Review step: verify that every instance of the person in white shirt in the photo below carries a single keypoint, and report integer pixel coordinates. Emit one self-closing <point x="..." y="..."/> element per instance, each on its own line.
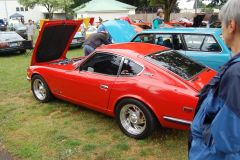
<point x="30" y="30"/>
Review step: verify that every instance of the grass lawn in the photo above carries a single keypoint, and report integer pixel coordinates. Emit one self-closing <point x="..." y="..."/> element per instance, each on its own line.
<point x="60" y="130"/>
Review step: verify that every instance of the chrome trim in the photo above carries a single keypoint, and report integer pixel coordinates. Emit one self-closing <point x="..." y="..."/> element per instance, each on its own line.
<point x="177" y="120"/>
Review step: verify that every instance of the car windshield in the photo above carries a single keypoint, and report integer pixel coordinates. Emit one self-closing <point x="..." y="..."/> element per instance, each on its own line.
<point x="10" y="36"/>
<point x="176" y="63"/>
<point x="1" y="21"/>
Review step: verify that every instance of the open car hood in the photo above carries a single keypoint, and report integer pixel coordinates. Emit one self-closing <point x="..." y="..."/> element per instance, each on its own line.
<point x="53" y="40"/>
<point x="120" y="31"/>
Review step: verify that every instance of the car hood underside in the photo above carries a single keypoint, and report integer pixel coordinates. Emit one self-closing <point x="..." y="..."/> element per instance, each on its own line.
<point x="54" y="40"/>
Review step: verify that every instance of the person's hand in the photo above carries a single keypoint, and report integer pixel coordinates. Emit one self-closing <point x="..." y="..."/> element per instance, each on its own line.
<point x="76" y="64"/>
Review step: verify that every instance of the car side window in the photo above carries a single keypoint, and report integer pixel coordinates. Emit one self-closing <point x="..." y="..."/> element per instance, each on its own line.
<point x="145" y="38"/>
<point x="205" y="43"/>
<point x="210" y="45"/>
<point x="172" y="41"/>
<point x="103" y="63"/>
<point x="194" y="42"/>
<point x="130" y="68"/>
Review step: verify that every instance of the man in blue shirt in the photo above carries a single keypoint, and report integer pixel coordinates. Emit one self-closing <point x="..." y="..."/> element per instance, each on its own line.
<point x="95" y="40"/>
<point x="216" y="126"/>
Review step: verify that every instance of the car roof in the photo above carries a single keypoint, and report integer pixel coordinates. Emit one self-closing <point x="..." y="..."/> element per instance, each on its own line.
<point x="185" y="30"/>
<point x="132" y="49"/>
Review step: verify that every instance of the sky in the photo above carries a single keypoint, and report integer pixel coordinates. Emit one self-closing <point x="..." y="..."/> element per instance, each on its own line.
<point x="183" y="4"/>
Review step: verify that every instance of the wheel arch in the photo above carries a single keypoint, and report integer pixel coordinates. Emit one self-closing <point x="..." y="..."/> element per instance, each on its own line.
<point x="34" y="74"/>
<point x="38" y="74"/>
<point x="138" y="99"/>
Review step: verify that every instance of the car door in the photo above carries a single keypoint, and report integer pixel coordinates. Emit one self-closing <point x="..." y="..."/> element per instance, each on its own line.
<point x="91" y="85"/>
<point x="205" y="49"/>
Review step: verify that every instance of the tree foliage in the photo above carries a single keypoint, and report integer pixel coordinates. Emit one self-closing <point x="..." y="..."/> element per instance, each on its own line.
<point x="167" y="5"/>
<point x="77" y="3"/>
<point x="50" y="5"/>
<point x="200" y="4"/>
<point x="215" y="3"/>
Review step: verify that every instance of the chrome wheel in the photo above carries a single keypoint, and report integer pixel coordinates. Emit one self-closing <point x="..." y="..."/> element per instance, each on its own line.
<point x="132" y="119"/>
<point x="39" y="89"/>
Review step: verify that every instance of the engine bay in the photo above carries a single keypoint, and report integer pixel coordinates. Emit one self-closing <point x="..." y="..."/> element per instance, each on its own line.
<point x="67" y="61"/>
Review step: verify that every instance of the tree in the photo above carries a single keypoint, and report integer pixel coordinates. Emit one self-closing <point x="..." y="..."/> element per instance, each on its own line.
<point x="200" y="4"/>
<point x="217" y="3"/>
<point x="168" y="6"/>
<point x="214" y="3"/>
<point x="50" y="5"/>
<point x="66" y="6"/>
<point x="77" y="3"/>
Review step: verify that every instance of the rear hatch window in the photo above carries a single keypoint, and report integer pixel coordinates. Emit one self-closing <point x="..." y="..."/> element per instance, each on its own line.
<point x="176" y="63"/>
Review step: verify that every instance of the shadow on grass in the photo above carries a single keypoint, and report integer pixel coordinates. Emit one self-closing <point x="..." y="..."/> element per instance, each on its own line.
<point x="160" y="134"/>
<point x="12" y="54"/>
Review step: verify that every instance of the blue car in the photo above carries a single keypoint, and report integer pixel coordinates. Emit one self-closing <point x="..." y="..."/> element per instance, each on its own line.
<point x="204" y="45"/>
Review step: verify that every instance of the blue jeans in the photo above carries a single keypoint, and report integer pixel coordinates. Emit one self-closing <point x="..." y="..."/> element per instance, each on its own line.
<point x="87" y="50"/>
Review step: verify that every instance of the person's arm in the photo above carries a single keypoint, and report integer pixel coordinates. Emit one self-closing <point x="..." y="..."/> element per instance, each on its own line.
<point x="225" y="128"/>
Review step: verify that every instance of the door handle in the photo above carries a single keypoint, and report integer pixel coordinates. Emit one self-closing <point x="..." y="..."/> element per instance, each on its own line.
<point x="103" y="86"/>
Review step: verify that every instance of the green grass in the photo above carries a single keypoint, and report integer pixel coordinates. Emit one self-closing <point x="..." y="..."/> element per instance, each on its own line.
<point x="60" y="130"/>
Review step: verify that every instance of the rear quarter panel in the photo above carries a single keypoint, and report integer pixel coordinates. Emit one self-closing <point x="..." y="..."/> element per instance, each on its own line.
<point x="164" y="94"/>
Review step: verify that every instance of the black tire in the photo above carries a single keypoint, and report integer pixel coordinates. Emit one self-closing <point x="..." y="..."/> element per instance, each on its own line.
<point x="47" y="96"/>
<point x="150" y="119"/>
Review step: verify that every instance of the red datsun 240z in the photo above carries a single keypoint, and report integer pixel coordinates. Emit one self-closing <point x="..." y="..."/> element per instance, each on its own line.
<point x="139" y="84"/>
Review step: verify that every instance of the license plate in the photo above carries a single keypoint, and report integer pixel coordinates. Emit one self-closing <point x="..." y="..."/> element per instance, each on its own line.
<point x="13" y="44"/>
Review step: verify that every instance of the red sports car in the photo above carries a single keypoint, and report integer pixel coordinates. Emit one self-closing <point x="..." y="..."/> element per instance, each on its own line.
<point x="139" y="84"/>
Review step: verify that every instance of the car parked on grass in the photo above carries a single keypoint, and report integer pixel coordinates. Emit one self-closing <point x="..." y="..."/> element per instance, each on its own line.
<point x="3" y="25"/>
<point x="11" y="42"/>
<point x="139" y="84"/>
<point x="20" y="28"/>
<point x="77" y="40"/>
<point x="204" y="45"/>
